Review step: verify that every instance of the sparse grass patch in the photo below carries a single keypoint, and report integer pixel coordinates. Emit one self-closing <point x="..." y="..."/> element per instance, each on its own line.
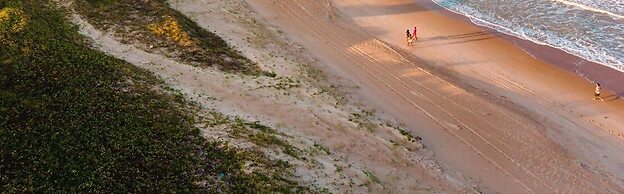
<point x="338" y="168"/>
<point x="264" y="136"/>
<point x="403" y="132"/>
<point x="322" y="148"/>
<point x="153" y="23"/>
<point x="318" y="77"/>
<point x="256" y="133"/>
<point x="283" y="83"/>
<point x="372" y="177"/>
<point x="407" y="135"/>
<point x="363" y="120"/>
<point x="313" y="73"/>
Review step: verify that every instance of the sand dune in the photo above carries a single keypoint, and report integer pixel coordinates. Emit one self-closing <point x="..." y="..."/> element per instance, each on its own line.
<point x="494" y="116"/>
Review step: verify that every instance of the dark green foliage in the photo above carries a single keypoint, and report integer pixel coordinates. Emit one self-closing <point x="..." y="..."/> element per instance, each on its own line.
<point x="130" y="19"/>
<point x="407" y="135"/>
<point x="73" y="119"/>
<point x="263" y="136"/>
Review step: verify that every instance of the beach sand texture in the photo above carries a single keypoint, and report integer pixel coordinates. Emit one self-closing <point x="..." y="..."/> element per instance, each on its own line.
<point x="489" y="111"/>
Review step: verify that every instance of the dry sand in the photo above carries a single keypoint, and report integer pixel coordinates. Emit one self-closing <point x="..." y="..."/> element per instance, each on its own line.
<point x="489" y="111"/>
<point x="341" y="152"/>
<point x="494" y="118"/>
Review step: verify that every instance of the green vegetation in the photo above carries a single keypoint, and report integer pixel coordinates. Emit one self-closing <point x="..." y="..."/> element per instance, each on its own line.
<point x="154" y="23"/>
<point x="283" y="83"/>
<point x="403" y="132"/>
<point x="322" y="148"/>
<point x="407" y="135"/>
<point x="363" y="120"/>
<point x="317" y="76"/>
<point x="73" y="119"/>
<point x="372" y="177"/>
<point x="373" y="180"/>
<point x="338" y="168"/>
<point x="257" y="133"/>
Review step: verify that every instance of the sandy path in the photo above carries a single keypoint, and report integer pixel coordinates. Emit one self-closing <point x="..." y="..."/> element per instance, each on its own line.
<point x="514" y="138"/>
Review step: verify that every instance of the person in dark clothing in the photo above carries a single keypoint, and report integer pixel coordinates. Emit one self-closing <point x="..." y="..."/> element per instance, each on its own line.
<point x="408" y="37"/>
<point x="597" y="92"/>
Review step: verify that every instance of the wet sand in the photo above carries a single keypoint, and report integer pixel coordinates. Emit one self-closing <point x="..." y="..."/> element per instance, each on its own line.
<point x="609" y="78"/>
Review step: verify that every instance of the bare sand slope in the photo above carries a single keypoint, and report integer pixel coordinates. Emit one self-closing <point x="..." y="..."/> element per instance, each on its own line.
<point x="488" y="110"/>
<point x="336" y="153"/>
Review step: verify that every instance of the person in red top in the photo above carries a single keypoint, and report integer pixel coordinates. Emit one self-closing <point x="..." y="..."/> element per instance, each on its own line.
<point x="415" y="36"/>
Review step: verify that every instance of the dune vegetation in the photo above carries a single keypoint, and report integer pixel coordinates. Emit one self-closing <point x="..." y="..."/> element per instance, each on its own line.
<point x="157" y="27"/>
<point x="73" y="119"/>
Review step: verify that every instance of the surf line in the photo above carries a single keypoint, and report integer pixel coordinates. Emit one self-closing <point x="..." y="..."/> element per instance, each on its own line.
<point x="585" y="7"/>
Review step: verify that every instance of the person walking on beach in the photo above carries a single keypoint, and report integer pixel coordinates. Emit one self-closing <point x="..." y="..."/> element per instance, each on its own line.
<point x="415" y="36"/>
<point x="408" y="38"/>
<point x="597" y="92"/>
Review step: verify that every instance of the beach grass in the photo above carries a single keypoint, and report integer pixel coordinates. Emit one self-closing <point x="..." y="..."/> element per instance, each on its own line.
<point x="73" y="119"/>
<point x="157" y="27"/>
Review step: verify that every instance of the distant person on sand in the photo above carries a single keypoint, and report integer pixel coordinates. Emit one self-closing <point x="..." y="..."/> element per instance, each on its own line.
<point x="415" y="36"/>
<point x="409" y="38"/>
<point x="330" y="10"/>
<point x="597" y="92"/>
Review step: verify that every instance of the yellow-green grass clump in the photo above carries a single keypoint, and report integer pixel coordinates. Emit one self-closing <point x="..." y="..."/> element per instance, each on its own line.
<point x="170" y="29"/>
<point x="156" y="27"/>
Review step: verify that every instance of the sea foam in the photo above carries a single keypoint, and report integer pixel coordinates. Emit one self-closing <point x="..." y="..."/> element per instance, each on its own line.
<point x="590" y="29"/>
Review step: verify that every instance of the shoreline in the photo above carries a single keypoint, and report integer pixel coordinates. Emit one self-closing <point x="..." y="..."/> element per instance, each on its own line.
<point x="610" y="79"/>
<point x="555" y="76"/>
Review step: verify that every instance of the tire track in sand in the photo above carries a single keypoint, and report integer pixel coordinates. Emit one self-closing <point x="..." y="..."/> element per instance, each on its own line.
<point x="439" y="112"/>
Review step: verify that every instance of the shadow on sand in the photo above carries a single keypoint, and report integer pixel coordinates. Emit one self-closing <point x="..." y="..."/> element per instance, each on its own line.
<point x="613" y="97"/>
<point x="455" y="39"/>
<point x="365" y="10"/>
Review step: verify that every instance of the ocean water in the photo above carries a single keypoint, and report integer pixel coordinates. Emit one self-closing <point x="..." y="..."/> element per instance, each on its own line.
<point x="590" y="29"/>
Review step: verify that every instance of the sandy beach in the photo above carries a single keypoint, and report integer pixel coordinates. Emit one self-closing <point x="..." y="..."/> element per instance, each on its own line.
<point x="494" y="115"/>
<point x="355" y="110"/>
<point x="311" y="96"/>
